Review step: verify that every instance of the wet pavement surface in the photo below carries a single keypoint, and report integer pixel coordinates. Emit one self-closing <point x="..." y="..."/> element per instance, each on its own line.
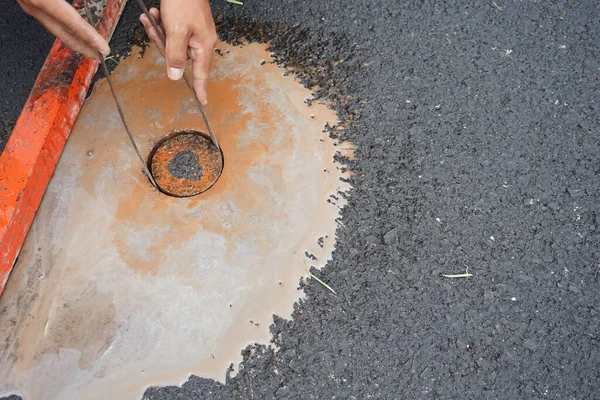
<point x="476" y="125"/>
<point x="84" y="315"/>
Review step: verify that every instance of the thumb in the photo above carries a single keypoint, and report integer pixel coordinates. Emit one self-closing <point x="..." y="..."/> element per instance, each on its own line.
<point x="177" y="52"/>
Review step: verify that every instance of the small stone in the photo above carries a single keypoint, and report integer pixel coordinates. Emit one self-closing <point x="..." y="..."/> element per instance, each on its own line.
<point x="371" y="239"/>
<point x="391" y="237"/>
<point x="575" y="289"/>
<point x="575" y="193"/>
<point x="525" y="278"/>
<point x="553" y="206"/>
<point x="426" y="373"/>
<point x="90" y="153"/>
<point x="282" y="391"/>
<point x="529" y="202"/>
<point x="530" y="344"/>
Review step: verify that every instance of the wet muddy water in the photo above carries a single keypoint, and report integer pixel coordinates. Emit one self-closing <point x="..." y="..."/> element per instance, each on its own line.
<point x="119" y="287"/>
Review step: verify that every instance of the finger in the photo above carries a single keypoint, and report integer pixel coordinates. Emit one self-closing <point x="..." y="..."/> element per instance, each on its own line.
<point x="148" y="25"/>
<point x="201" y="61"/>
<point x="150" y="28"/>
<point x="155" y="12"/>
<point x="178" y="38"/>
<point x="72" y="23"/>
<point x="73" y="42"/>
<point x="152" y="33"/>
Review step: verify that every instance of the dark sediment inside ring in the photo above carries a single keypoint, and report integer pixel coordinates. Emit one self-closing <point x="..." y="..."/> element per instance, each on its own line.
<point x="185" y="165"/>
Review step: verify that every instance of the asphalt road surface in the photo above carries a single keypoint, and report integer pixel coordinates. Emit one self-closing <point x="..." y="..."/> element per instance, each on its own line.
<point x="477" y="124"/>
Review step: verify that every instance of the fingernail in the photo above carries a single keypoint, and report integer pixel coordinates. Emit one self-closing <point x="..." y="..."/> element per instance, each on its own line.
<point x="105" y="51"/>
<point x="175" y="73"/>
<point x="204" y="102"/>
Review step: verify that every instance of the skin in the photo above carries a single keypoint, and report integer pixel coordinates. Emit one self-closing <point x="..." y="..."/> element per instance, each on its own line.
<point x="187" y="24"/>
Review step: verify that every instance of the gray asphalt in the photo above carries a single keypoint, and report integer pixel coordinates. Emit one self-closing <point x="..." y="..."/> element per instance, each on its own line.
<point x="24" y="44"/>
<point x="478" y="132"/>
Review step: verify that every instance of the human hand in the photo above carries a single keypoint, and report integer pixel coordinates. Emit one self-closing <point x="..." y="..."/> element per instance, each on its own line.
<point x="190" y="33"/>
<point x="64" y="22"/>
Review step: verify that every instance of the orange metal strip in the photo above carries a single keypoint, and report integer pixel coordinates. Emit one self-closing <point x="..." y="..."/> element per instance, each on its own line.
<point x="39" y="136"/>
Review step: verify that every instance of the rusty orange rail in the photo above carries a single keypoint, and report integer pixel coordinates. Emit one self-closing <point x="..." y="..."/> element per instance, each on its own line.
<point x="39" y="136"/>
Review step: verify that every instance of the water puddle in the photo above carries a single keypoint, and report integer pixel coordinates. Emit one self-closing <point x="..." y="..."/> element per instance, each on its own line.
<point x="119" y="287"/>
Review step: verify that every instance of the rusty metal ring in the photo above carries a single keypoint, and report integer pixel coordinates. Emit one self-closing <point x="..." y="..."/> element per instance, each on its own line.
<point x="185" y="163"/>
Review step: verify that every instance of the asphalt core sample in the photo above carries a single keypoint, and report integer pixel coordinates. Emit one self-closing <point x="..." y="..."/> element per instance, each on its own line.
<point x="185" y="164"/>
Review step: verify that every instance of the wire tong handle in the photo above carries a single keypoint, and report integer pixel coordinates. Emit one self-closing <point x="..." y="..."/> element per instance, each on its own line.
<point x="119" y="109"/>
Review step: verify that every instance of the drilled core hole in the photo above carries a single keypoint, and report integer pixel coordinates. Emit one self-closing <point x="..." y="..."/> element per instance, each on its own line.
<point x="185" y="163"/>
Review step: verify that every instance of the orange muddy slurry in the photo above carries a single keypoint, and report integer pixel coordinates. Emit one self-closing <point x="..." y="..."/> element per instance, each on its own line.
<point x="119" y="286"/>
<point x="186" y="164"/>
